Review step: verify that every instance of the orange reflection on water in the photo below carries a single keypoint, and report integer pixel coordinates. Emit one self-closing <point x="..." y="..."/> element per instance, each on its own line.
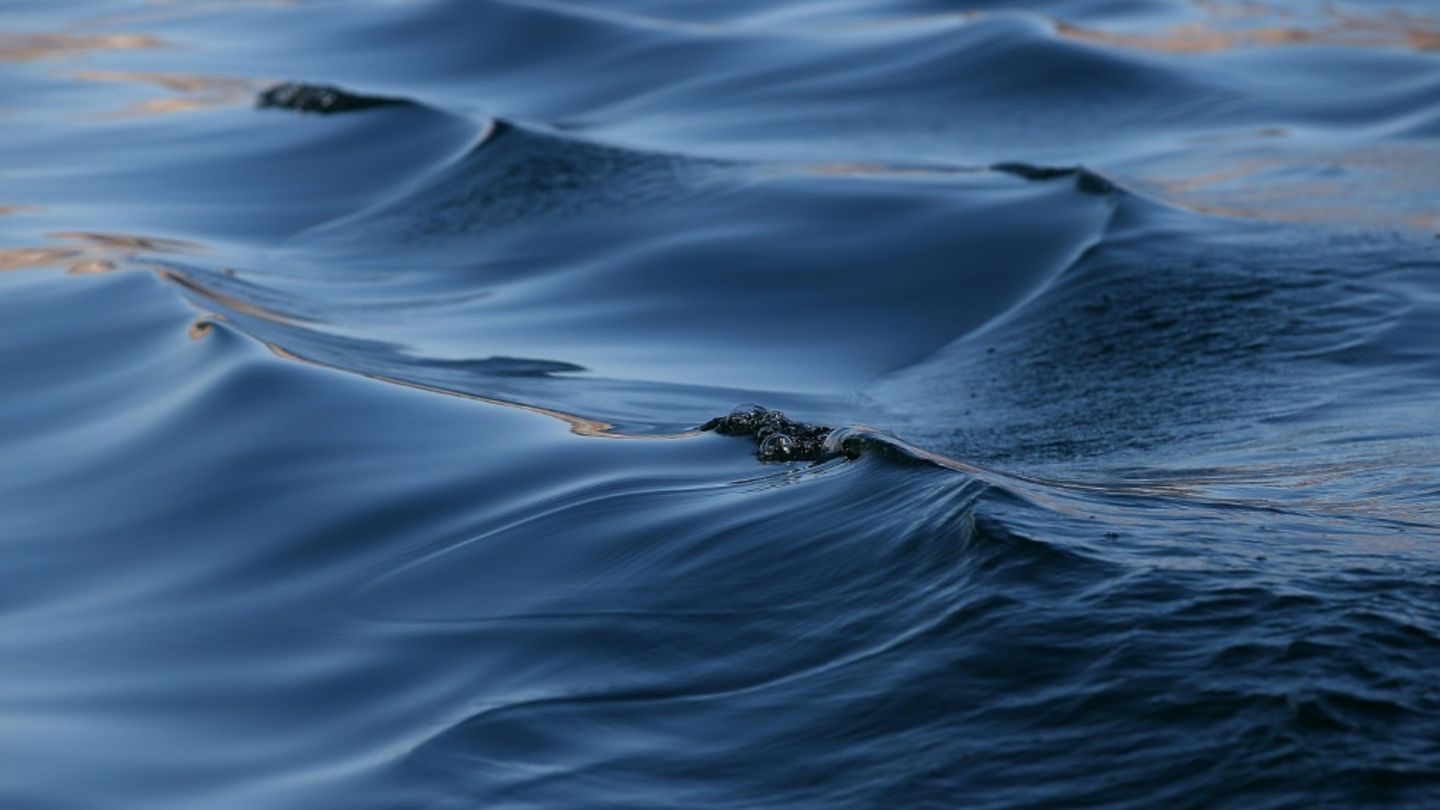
<point x="197" y="92"/>
<point x="1374" y="29"/>
<point x="1385" y="185"/>
<point x="34" y="47"/>
<point x="26" y="258"/>
<point x="201" y="327"/>
<point x="129" y="241"/>
<point x="580" y="425"/>
<point x="227" y="301"/>
<point x="91" y="267"/>
<point x="95" y="253"/>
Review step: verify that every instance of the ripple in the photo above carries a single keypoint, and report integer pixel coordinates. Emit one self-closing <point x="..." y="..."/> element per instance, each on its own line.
<point x="1105" y="333"/>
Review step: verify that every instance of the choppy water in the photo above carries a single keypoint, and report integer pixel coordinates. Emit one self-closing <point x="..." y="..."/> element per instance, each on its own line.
<point x="319" y="479"/>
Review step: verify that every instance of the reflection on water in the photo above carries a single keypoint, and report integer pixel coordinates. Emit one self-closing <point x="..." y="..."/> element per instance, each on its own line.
<point x="1244" y="25"/>
<point x="129" y="242"/>
<point x="197" y="92"/>
<point x="1117" y="311"/>
<point x="35" y="47"/>
<point x="24" y="258"/>
<point x="97" y="252"/>
<point x="1373" y="186"/>
<point x="200" y="328"/>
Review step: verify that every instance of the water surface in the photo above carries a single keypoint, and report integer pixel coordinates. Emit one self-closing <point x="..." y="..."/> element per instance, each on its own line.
<point x="350" y="455"/>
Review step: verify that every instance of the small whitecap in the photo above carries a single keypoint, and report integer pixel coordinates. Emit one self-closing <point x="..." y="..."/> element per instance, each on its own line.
<point x="843" y="441"/>
<point x="777" y="445"/>
<point x="746" y="409"/>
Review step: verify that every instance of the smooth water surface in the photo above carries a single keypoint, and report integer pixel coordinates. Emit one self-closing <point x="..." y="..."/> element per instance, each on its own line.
<point x="350" y="450"/>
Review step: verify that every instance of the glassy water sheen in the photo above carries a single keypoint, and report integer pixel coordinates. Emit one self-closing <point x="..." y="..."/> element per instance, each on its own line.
<point x="349" y="448"/>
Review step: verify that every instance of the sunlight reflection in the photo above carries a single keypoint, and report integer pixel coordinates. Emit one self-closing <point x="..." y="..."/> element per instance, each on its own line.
<point x="197" y="92"/>
<point x="1381" y="28"/>
<point x="1378" y="185"/>
<point x="35" y="47"/>
<point x="95" y="253"/>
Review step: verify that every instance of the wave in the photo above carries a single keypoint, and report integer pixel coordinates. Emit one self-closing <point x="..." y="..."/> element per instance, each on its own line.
<point x="537" y="240"/>
<point x="1105" y="331"/>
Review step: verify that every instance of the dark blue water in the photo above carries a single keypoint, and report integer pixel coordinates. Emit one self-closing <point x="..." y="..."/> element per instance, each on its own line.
<point x="350" y="447"/>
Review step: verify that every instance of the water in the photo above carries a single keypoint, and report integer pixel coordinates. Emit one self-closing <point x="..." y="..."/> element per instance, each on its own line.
<point x="350" y="457"/>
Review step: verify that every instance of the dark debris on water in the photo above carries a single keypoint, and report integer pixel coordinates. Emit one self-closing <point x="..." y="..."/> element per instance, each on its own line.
<point x="319" y="98"/>
<point x="776" y="436"/>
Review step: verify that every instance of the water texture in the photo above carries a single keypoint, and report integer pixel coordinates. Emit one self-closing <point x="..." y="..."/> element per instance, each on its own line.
<point x="368" y="370"/>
